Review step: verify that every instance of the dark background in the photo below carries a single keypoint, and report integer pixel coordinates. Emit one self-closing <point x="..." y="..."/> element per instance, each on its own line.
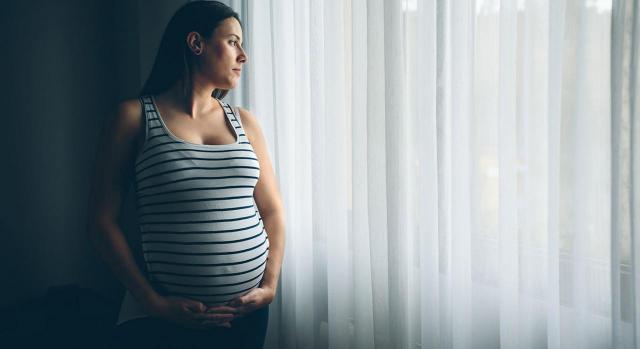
<point x="66" y="65"/>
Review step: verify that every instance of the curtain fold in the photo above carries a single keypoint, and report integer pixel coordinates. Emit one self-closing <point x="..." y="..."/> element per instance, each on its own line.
<point x="625" y="191"/>
<point x="456" y="174"/>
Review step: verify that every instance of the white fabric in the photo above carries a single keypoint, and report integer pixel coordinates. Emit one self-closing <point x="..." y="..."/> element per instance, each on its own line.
<point x="130" y="309"/>
<point x="456" y="174"/>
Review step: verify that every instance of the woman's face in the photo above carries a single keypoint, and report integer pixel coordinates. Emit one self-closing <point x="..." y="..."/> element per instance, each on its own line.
<point x="222" y="58"/>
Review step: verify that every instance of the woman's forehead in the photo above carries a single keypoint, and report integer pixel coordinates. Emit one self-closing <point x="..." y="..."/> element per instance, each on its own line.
<point x="230" y="26"/>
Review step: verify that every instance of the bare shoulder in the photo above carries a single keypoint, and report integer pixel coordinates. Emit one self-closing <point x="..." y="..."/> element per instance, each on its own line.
<point x="128" y="115"/>
<point x="124" y="125"/>
<point x="250" y="124"/>
<point x="248" y="119"/>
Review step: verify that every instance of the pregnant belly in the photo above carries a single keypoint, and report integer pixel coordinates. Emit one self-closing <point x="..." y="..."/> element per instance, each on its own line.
<point x="213" y="268"/>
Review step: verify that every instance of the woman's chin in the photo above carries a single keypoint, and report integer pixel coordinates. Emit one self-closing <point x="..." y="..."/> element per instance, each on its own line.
<point x="233" y="84"/>
<point x="229" y="84"/>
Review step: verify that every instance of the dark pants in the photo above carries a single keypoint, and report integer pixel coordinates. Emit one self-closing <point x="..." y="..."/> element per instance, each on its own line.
<point x="248" y="331"/>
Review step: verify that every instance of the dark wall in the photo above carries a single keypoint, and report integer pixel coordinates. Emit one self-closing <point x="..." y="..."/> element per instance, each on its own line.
<point x="65" y="64"/>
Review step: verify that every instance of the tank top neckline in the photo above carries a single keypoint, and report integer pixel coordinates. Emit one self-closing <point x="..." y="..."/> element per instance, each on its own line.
<point x="199" y="145"/>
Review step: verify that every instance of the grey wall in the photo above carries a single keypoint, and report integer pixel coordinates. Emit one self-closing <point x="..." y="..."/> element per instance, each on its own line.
<point x="66" y="64"/>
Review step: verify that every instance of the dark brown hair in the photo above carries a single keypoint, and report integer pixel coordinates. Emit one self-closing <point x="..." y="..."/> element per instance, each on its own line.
<point x="173" y="57"/>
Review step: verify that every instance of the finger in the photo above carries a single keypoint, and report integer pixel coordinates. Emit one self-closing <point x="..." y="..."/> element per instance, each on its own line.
<point x="247" y="308"/>
<point x="195" y="308"/>
<point x="242" y="300"/>
<point x="222" y="309"/>
<point x="214" y="319"/>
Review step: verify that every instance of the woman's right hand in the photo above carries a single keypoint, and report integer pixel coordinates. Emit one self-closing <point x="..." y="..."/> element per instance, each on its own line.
<point x="191" y="313"/>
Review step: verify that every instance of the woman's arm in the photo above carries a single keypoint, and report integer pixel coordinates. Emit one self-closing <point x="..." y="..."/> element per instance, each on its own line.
<point x="268" y="200"/>
<point x="115" y="156"/>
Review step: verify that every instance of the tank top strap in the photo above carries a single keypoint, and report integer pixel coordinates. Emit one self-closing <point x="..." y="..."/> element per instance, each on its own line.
<point x="233" y="115"/>
<point x="149" y="109"/>
<point x="153" y="124"/>
<point x="236" y="112"/>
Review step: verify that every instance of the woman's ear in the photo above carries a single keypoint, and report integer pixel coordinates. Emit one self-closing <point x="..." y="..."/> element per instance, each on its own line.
<point x="194" y="42"/>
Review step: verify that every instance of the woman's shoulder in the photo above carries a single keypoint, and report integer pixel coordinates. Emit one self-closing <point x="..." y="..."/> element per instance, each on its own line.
<point x="247" y="119"/>
<point x="125" y="122"/>
<point x="252" y="127"/>
<point x="128" y="115"/>
<point x="130" y="108"/>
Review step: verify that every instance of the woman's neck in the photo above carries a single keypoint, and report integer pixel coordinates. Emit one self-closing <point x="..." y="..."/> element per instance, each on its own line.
<point x="198" y="100"/>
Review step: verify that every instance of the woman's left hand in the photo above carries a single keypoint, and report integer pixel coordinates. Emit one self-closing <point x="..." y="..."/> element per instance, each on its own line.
<point x="255" y="299"/>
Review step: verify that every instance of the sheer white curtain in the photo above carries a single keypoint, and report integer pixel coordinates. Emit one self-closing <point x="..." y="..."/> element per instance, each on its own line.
<point x="456" y="174"/>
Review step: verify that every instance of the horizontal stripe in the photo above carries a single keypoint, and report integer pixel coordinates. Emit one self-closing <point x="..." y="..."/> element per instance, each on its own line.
<point x="241" y="247"/>
<point x="201" y="242"/>
<point x="235" y="262"/>
<point x="205" y="221"/>
<point x="208" y="264"/>
<point x="201" y="194"/>
<point x="195" y="211"/>
<point x="194" y="158"/>
<point x="195" y="189"/>
<point x="201" y="231"/>
<point x="139" y="162"/>
<point x="194" y="200"/>
<point x="205" y="254"/>
<point x="174" y="273"/>
<point x="221" y="285"/>
<point x="196" y="168"/>
<point x="192" y="179"/>
<point x="146" y="150"/>
<point x="216" y="295"/>
<point x="157" y="136"/>
<point x="208" y="275"/>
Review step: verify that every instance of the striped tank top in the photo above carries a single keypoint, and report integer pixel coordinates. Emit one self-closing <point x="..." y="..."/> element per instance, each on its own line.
<point x="201" y="233"/>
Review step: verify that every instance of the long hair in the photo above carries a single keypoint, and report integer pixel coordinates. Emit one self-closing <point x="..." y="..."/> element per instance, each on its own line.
<point x="173" y="57"/>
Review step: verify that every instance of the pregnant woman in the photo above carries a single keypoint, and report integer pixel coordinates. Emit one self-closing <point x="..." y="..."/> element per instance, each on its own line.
<point x="209" y="210"/>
